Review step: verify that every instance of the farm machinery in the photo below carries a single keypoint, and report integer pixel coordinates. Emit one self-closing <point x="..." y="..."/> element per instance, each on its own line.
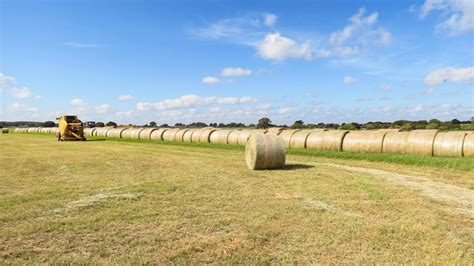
<point x="70" y="128"/>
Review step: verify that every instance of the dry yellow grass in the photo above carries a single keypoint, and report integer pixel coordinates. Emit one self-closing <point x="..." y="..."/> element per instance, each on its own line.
<point x="111" y="202"/>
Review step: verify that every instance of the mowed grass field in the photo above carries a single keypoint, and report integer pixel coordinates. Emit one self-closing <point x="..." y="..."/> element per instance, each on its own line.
<point x="129" y="202"/>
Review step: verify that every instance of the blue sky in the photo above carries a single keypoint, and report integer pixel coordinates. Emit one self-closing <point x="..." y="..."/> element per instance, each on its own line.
<point x="225" y="61"/>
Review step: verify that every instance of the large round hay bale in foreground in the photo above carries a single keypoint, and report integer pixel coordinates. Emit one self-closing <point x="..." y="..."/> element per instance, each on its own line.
<point x="233" y="137"/>
<point x="158" y="134"/>
<point x="146" y="133"/>
<point x="421" y="142"/>
<point x="395" y="142"/>
<point x="220" y="136"/>
<point x="5" y="130"/>
<point x="180" y="134"/>
<point x="363" y="141"/>
<point x="169" y="134"/>
<point x="449" y="144"/>
<point x="286" y="136"/>
<point x="87" y="131"/>
<point x="468" y="147"/>
<point x="265" y="152"/>
<point x="115" y="133"/>
<point x="326" y="140"/>
<point x="298" y="139"/>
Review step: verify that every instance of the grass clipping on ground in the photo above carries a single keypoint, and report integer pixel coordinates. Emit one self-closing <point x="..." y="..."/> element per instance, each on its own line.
<point x="265" y="152"/>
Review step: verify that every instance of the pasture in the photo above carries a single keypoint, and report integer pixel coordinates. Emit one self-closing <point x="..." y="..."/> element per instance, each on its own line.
<point x="111" y="201"/>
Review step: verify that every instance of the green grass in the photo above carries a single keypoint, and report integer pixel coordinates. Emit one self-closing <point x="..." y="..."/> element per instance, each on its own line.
<point x="458" y="163"/>
<point x="123" y="202"/>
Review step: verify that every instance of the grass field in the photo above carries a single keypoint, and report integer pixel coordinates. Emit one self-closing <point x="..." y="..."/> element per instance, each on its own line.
<point x="128" y="202"/>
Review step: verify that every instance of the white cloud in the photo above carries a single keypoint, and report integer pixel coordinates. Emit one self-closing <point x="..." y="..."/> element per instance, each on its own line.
<point x="9" y="84"/>
<point x="450" y="74"/>
<point x="385" y="88"/>
<point x="458" y="15"/>
<point x="78" y="102"/>
<point x="104" y="108"/>
<point x="125" y="97"/>
<point x="270" y="19"/>
<point x="18" y="107"/>
<point x="210" y="80"/>
<point x="192" y="101"/>
<point x="285" y="110"/>
<point x="429" y="91"/>
<point x="348" y="80"/>
<point x="357" y="23"/>
<point x="277" y="47"/>
<point x="235" y="72"/>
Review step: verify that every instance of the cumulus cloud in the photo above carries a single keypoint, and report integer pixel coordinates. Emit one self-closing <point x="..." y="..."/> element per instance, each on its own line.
<point x="458" y="15"/>
<point x="210" y="80"/>
<point x="285" y="110"/>
<point x="102" y="109"/>
<point x="450" y="74"/>
<point x="9" y="84"/>
<point x="235" y="72"/>
<point x="77" y="102"/>
<point x="192" y="101"/>
<point x="277" y="47"/>
<point x="348" y="80"/>
<point x="125" y="97"/>
<point x="270" y="19"/>
<point x="356" y="23"/>
<point x="18" y="107"/>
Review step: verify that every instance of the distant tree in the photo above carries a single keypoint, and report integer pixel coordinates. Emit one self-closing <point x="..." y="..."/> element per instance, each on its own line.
<point x="99" y="124"/>
<point x="179" y="125"/>
<point x="455" y="121"/>
<point x="49" y="124"/>
<point x="252" y="125"/>
<point x="297" y="124"/>
<point x="432" y="126"/>
<point x="152" y="124"/>
<point x="213" y="124"/>
<point x="221" y="125"/>
<point x="350" y="126"/>
<point x="111" y="124"/>
<point x="264" y="123"/>
<point x="406" y="127"/>
<point x="164" y="125"/>
<point x="321" y="125"/>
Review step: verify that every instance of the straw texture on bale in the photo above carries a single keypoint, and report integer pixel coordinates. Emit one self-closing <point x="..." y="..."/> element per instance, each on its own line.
<point x="220" y="136"/>
<point x="395" y="142"/>
<point x="449" y="144"/>
<point x="55" y="130"/>
<point x="44" y="130"/>
<point x="298" y="139"/>
<point x="180" y="135"/>
<point x="101" y="131"/>
<point x="187" y="137"/>
<point x="197" y="135"/>
<point x="170" y="134"/>
<point x="468" y="147"/>
<point x="87" y="131"/>
<point x="389" y="130"/>
<point x="363" y="141"/>
<point x="5" y="130"/>
<point x="265" y="152"/>
<point x="421" y="142"/>
<point x="158" y="134"/>
<point x="205" y="135"/>
<point x="274" y="130"/>
<point x="243" y="137"/>
<point x="135" y="133"/>
<point x="146" y="133"/>
<point x="126" y="133"/>
<point x="286" y="136"/>
<point x="115" y="133"/>
<point x="233" y="137"/>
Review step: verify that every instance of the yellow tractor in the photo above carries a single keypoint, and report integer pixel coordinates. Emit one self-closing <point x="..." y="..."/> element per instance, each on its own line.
<point x="70" y="128"/>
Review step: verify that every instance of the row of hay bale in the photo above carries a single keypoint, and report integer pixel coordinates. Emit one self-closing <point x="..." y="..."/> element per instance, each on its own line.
<point x="421" y="142"/>
<point x="42" y="130"/>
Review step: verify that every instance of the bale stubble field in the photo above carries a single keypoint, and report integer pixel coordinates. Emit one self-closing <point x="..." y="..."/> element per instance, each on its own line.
<point x="104" y="201"/>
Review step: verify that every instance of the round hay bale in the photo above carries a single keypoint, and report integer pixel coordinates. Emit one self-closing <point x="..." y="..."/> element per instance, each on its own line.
<point x="115" y="133"/>
<point x="188" y="135"/>
<point x="286" y="136"/>
<point x="30" y="130"/>
<point x="170" y="134"/>
<point x="180" y="134"/>
<point x="205" y="135"/>
<point x="389" y="130"/>
<point x="220" y="136"/>
<point x="126" y="133"/>
<point x="135" y="132"/>
<point x="326" y="140"/>
<point x="395" y="142"/>
<point x="421" y="142"/>
<point x="298" y="139"/>
<point x="265" y="152"/>
<point x="158" y="134"/>
<point x="17" y="130"/>
<point x="449" y="144"/>
<point x="146" y="133"/>
<point x="468" y="147"/>
<point x="233" y="137"/>
<point x="243" y="137"/>
<point x="363" y="141"/>
<point x="87" y="131"/>
<point x="101" y="131"/>
<point x="55" y="130"/>
<point x="196" y="136"/>
<point x="274" y="130"/>
<point x="44" y="130"/>
<point x="5" y="130"/>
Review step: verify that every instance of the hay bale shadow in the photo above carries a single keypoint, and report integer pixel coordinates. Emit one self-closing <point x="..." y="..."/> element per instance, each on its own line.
<point x="296" y="166"/>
